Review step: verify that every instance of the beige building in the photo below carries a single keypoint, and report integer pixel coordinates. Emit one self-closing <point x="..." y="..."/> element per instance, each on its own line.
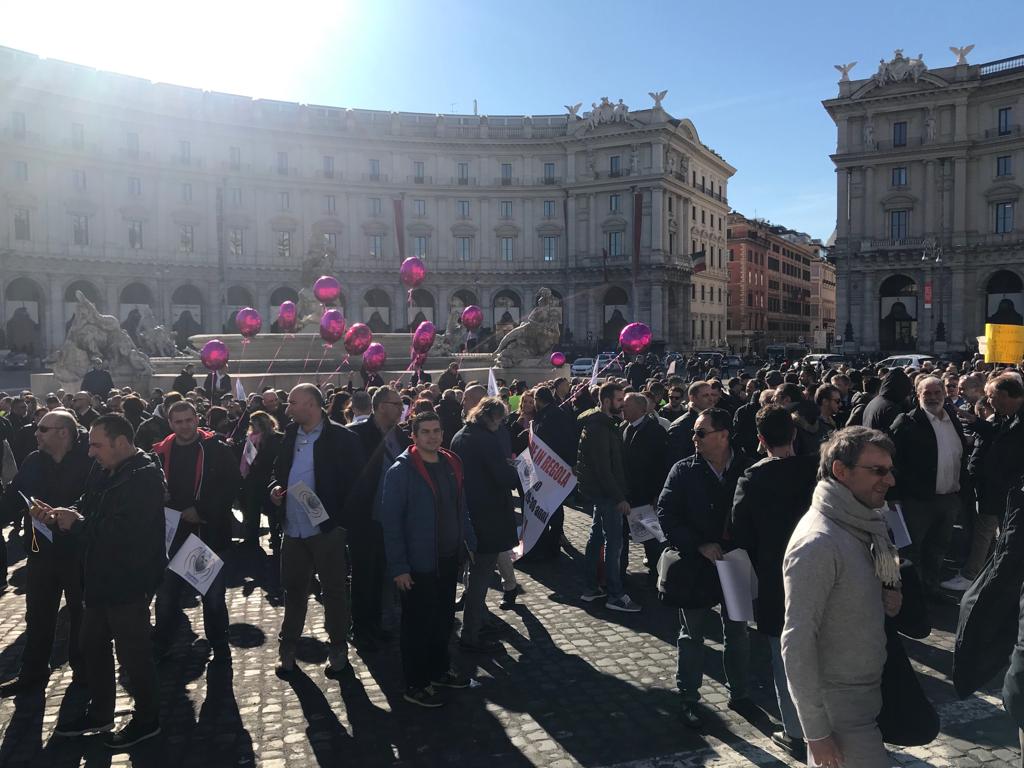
<point x="929" y="165"/>
<point x="823" y="304"/>
<point x="150" y="195"/>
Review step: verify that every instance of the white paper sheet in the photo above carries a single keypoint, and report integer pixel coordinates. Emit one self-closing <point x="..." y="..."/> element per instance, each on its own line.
<point x="897" y="525"/>
<point x="306" y="497"/>
<point x="739" y="584"/>
<point x="644" y="525"/>
<point x="196" y="563"/>
<point x="171" y="519"/>
<point x="44" y="529"/>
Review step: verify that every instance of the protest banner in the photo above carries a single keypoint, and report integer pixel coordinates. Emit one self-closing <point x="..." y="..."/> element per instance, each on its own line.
<point x="546" y="481"/>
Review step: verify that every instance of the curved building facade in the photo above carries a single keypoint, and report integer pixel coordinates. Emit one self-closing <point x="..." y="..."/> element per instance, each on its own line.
<point x="150" y="195"/>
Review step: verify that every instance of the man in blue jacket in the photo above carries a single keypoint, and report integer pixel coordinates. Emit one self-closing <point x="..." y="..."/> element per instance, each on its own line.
<point x="426" y="529"/>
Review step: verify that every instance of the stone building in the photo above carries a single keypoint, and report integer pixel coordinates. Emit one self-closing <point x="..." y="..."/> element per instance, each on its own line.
<point x="151" y="195"/>
<point x="928" y="168"/>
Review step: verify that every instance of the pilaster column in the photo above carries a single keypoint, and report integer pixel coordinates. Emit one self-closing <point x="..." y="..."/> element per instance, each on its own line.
<point x="961" y="307"/>
<point x="52" y="316"/>
<point x="959" y="200"/>
<point x="870" y="203"/>
<point x="657" y="224"/>
<point x="929" y="198"/>
<point x="658" y="326"/>
<point x="843" y="203"/>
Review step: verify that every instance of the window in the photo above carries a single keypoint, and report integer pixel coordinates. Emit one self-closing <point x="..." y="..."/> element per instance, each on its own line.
<point x="549" y="173"/>
<point x="80" y="229"/>
<point x="1004" y="165"/>
<point x="614" y="243"/>
<point x="375" y="206"/>
<point x="1004" y="218"/>
<point x="417" y="171"/>
<point x="328" y="167"/>
<point x="134" y="186"/>
<point x="719" y="295"/>
<point x="550" y="243"/>
<point x="505" y="248"/>
<point x="185" y="151"/>
<point x="463" y="208"/>
<point x="506" y="174"/>
<point x="186" y="193"/>
<point x="703" y="216"/>
<point x="77" y="135"/>
<point x="549" y="209"/>
<point x="374" y="169"/>
<point x="236" y="242"/>
<point x="702" y="293"/>
<point x="21" y="170"/>
<point x="899" y="176"/>
<point x="506" y="209"/>
<point x="186" y="239"/>
<point x="899" y="133"/>
<point x="131" y="141"/>
<point x="463" y="248"/>
<point x="22" y="230"/>
<point x="78" y="179"/>
<point x="331" y="240"/>
<point x="1005" y="115"/>
<point x="18" y="124"/>
<point x="671" y="243"/>
<point x="419" y="207"/>
<point x="282" y="163"/>
<point x="376" y="246"/>
<point x="235" y="195"/>
<point x="235" y="158"/>
<point x="135" y="235"/>
<point x="330" y="205"/>
<point x="419" y="247"/>
<point x="284" y="243"/>
<point x="898" y="224"/>
<point x="462" y="169"/>
<point x="614" y="201"/>
<point x="283" y="201"/>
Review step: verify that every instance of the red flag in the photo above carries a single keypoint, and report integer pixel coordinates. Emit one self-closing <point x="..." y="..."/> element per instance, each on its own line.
<point x="638" y="219"/>
<point x="400" y="228"/>
<point x="699" y="264"/>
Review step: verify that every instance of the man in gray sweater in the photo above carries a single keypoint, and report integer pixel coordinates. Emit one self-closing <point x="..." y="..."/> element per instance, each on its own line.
<point x="841" y="576"/>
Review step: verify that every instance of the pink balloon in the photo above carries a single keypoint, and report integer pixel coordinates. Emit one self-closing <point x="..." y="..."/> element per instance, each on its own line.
<point x="635" y="338"/>
<point x="327" y="289"/>
<point x="374" y="357"/>
<point x="214" y="354"/>
<point x="358" y="338"/>
<point x="557" y="359"/>
<point x="423" y="338"/>
<point x="248" y="322"/>
<point x="332" y="326"/>
<point x="472" y="317"/>
<point x="288" y="316"/>
<point x="412" y="272"/>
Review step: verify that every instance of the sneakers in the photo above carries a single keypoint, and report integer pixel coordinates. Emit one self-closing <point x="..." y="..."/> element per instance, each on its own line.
<point x="83" y="726"/>
<point x="337" y="662"/>
<point x="424" y="697"/>
<point x="624" y="604"/>
<point x="957" y="584"/>
<point x="692" y="715"/>
<point x="132" y="734"/>
<point x="508" y="599"/>
<point x="451" y="679"/>
<point x="286" y="665"/>
<point x="591" y="595"/>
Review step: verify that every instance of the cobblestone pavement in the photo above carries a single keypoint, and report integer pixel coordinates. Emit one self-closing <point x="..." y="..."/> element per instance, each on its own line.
<point x="578" y="685"/>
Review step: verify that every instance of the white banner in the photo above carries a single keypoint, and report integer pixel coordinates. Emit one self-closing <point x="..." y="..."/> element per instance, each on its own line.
<point x="897" y="525"/>
<point x="739" y="584"/>
<point x="306" y="498"/>
<point x="546" y="481"/>
<point x="644" y="525"/>
<point x="492" y="383"/>
<point x="171" y="519"/>
<point x="196" y="563"/>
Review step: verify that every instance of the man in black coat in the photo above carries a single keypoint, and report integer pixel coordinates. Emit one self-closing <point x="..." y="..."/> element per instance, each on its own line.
<point x="185" y="381"/>
<point x="557" y="428"/>
<point x="680" y="433"/>
<point x="217" y="384"/>
<point x="97" y="380"/>
<point x="770" y="499"/>
<point x="644" y="447"/>
<point x="892" y="400"/>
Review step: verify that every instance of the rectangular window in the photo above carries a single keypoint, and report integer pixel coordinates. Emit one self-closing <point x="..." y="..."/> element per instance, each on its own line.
<point x="463" y="207"/>
<point x="1005" y="115"/>
<point x="331" y="240"/>
<point x="703" y="216"/>
<point x="283" y="201"/>
<point x="22" y="230"/>
<point x="134" y="186"/>
<point x="80" y="229"/>
<point x="1004" y="218"/>
<point x="235" y="158"/>
<point x="236" y="242"/>
<point x="505" y="248"/>
<point x="506" y="209"/>
<point x="614" y="202"/>
<point x="186" y="193"/>
<point x="135" y="235"/>
<point x="702" y="293"/>
<point x="282" y="163"/>
<point x="186" y="239"/>
<point x="419" y="208"/>
<point x="550" y="243"/>
<point x="21" y="170"/>
<point x="614" y="244"/>
<point x="462" y="169"/>
<point x="375" y="206"/>
<point x="374" y="169"/>
<point x="418" y="171"/>
<point x="284" y="244"/>
<point x="78" y="179"/>
<point x="18" y="124"/>
<point x="185" y="151"/>
<point x="419" y="247"/>
<point x="330" y="205"/>
<point x="1004" y="165"/>
<point x="376" y="246"/>
<point x="235" y="195"/>
<point x="899" y="133"/>
<point x="328" y="167"/>
<point x="77" y="135"/>
<point x="549" y="173"/>
<point x="899" y="176"/>
<point x="898" y="224"/>
<point x="549" y="209"/>
<point x="615" y="165"/>
<point x="131" y="141"/>
<point x="506" y="174"/>
<point x="463" y="248"/>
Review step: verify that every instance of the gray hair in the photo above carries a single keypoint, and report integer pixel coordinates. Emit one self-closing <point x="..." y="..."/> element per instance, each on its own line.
<point x="846" y="446"/>
<point x="922" y="380"/>
<point x="361" y="401"/>
<point x="379" y="394"/>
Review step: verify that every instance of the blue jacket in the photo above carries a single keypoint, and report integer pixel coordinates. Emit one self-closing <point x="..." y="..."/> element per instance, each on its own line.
<point x="408" y="513"/>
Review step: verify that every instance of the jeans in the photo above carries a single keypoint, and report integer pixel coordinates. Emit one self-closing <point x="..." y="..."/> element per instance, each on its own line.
<point x="368" y="572"/>
<point x="49" y="574"/>
<point x="790" y="720"/>
<point x="930" y="525"/>
<point x="694" y="624"/>
<point x="325" y="554"/>
<point x="428" y="613"/>
<point x="605" y="530"/>
<point x="169" y="614"/>
<point x="474" y="606"/>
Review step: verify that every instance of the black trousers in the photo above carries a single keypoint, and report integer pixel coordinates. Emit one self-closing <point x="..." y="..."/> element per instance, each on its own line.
<point x="49" y="575"/>
<point x="428" y="614"/>
<point x="366" y="548"/>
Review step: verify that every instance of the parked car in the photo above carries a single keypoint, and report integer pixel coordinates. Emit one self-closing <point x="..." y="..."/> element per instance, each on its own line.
<point x="906" y="361"/>
<point x="824" y="359"/>
<point x="732" y="365"/>
<point x="582" y="366"/>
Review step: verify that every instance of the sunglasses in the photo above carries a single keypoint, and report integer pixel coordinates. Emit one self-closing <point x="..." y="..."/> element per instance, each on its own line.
<point x="877" y="471"/>
<point x="700" y="434"/>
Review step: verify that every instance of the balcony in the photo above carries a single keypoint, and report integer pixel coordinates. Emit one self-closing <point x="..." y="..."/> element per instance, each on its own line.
<point x="993" y="68"/>
<point x="612" y="174"/>
<point x="375" y="177"/>
<point x="891" y="244"/>
<point x="507" y="181"/>
<point x="463" y="181"/>
<point x="420" y="179"/>
<point x="548" y="180"/>
<point x="995" y="133"/>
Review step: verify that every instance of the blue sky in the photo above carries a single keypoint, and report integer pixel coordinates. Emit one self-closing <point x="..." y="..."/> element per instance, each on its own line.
<point x="750" y="75"/>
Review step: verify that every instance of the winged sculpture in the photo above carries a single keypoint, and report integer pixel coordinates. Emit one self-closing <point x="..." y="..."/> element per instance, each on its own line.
<point x="961" y="53"/>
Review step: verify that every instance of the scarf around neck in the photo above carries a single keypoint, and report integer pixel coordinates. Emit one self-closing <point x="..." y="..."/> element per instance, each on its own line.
<point x="835" y="501"/>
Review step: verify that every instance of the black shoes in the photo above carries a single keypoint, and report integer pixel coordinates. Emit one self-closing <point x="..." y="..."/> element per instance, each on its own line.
<point x="481" y="646"/>
<point x="21" y="685"/>
<point x="508" y="599"/>
<point x="83" y="726"/>
<point x="132" y="734"/>
<point x="451" y="679"/>
<point x="794" y="746"/>
<point x="424" y="697"/>
<point x="692" y="715"/>
<point x="745" y="708"/>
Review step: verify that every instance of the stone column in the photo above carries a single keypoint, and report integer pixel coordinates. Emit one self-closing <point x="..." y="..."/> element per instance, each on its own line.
<point x="571" y="246"/>
<point x="928" y="198"/>
<point x="53" y="316"/>
<point x="959" y="200"/>
<point x="870" y="203"/>
<point x="657" y="224"/>
<point x="593" y="247"/>
<point x="926" y="318"/>
<point x="658" y="326"/>
<point x="960" y="308"/>
<point x="595" y="322"/>
<point x="843" y="203"/>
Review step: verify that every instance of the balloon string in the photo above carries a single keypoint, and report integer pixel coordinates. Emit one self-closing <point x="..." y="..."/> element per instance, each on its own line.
<point x="309" y="349"/>
<point x="336" y="371"/>
<point x="259" y="387"/>
<point x="323" y="356"/>
<point x="579" y="388"/>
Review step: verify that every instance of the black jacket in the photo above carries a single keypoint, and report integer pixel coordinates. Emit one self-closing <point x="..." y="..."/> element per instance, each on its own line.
<point x="557" y="428"/>
<point x="226" y="387"/>
<point x="917" y="453"/>
<point x="184" y="382"/>
<point x="151" y="432"/>
<point x="121" y="539"/>
<point x="997" y="461"/>
<point x="680" y="436"/>
<point x="366" y="491"/>
<point x="98" y="382"/>
<point x="86" y="419"/>
<point x="643" y="455"/>
<point x="449" y="380"/>
<point x="599" y="468"/>
<point x="488" y="482"/>
<point x="744" y="426"/>
<point x="770" y="499"/>
<point x="891" y="401"/>
<point x="338" y="460"/>
<point x="450" y="413"/>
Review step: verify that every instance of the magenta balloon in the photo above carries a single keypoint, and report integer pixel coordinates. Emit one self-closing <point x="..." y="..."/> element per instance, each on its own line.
<point x="374" y="357"/>
<point x="635" y="338"/>
<point x="287" y="316"/>
<point x="358" y="338"/>
<point x="412" y="272"/>
<point x="332" y="325"/>
<point x="214" y="354"/>
<point x="327" y="289"/>
<point x="557" y="359"/>
<point x="423" y="338"/>
<point x="472" y="317"/>
<point x="248" y="322"/>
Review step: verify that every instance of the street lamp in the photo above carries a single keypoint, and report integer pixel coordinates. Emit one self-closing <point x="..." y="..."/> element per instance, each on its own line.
<point x="933" y="252"/>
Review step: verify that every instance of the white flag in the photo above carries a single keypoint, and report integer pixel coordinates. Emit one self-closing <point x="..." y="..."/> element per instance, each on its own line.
<point x="239" y="391"/>
<point x="492" y="383"/>
<point x="306" y="498"/>
<point x="249" y="452"/>
<point x="593" y="376"/>
<point x="171" y="519"/>
<point x="546" y="481"/>
<point x="196" y="563"/>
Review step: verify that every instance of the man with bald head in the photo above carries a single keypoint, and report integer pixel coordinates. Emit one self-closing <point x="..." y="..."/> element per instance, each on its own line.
<point x="81" y="402"/>
<point x="471" y="397"/>
<point x="329" y="459"/>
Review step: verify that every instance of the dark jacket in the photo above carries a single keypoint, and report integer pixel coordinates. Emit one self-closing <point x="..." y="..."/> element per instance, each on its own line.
<point x="644" y="451"/>
<point x="151" y="432"/>
<point x="338" y="460"/>
<point x="770" y="499"/>
<point x="184" y="382"/>
<point x="557" y="428"/>
<point x="891" y="401"/>
<point x="599" y="468"/>
<point x="216" y="479"/>
<point x="450" y="413"/>
<point x="680" y="437"/>
<point x="380" y="451"/>
<point x="121" y="539"/>
<point x="86" y="419"/>
<point x="489" y="482"/>
<point x="449" y="380"/>
<point x="811" y="431"/>
<point x="408" y="513"/>
<point x="518" y="432"/>
<point x="98" y="382"/>
<point x="744" y="426"/>
<point x="917" y="452"/>
<point x="24" y="443"/>
<point x="226" y="387"/>
<point x="636" y="374"/>
<point x="997" y="461"/>
<point x="257" y="482"/>
<point x="860" y="404"/>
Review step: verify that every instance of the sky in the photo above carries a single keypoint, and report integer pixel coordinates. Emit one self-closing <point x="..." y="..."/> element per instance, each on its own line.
<point x="750" y="74"/>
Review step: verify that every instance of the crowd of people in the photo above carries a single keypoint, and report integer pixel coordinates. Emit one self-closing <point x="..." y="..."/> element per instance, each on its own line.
<point x="801" y="467"/>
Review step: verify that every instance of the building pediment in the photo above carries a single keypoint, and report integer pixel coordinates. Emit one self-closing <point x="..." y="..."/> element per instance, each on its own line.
<point x="284" y="223"/>
<point x="1004" y="192"/>
<point x="895" y="200"/>
<point x="506" y="230"/>
<point x="328" y="224"/>
<point x="184" y="216"/>
<point x="614" y="224"/>
<point x="237" y="220"/>
<point x="375" y="228"/>
<point x="420" y="229"/>
<point x="549" y="228"/>
<point x="134" y="212"/>
<point x="21" y="199"/>
<point x="462" y="229"/>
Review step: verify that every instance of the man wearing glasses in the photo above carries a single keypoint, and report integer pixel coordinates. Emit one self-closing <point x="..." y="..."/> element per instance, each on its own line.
<point x="84" y="412"/>
<point x="675" y="407"/>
